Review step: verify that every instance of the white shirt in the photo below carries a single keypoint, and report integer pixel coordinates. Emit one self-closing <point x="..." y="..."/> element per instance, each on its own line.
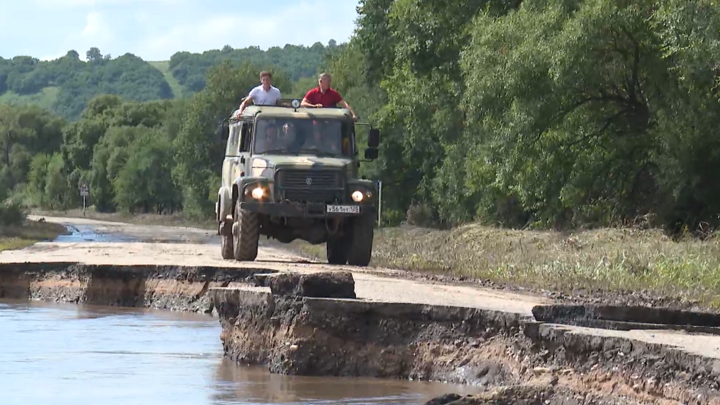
<point x="260" y="96"/>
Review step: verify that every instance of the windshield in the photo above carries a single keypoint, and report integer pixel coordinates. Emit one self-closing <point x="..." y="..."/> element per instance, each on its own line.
<point x="296" y="136"/>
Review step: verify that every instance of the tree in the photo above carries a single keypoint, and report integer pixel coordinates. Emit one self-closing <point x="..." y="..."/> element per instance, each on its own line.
<point x="93" y="54"/>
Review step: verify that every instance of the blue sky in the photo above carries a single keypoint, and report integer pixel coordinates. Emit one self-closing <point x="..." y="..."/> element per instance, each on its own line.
<point x="155" y="29"/>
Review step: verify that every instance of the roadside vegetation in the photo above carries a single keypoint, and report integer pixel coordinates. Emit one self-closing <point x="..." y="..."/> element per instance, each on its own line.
<point x="521" y="141"/>
<point x="641" y="265"/>
<point x="17" y="232"/>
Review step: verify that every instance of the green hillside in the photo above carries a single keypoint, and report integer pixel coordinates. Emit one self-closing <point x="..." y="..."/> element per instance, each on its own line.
<point x="164" y="68"/>
<point x="45" y="98"/>
<point x="66" y="85"/>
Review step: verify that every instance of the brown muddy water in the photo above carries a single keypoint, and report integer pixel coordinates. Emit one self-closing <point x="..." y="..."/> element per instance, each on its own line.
<point x="65" y="354"/>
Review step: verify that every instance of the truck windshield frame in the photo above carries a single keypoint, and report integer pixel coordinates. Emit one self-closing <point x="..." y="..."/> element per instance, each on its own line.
<point x="302" y="136"/>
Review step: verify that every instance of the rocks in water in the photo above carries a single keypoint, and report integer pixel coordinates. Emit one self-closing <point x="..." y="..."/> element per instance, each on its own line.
<point x="527" y="395"/>
<point x="316" y="285"/>
<point x="443" y="400"/>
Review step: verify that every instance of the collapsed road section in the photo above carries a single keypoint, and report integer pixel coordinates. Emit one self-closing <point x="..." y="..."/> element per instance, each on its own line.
<point x="275" y="324"/>
<point x="315" y="324"/>
<point x="165" y="287"/>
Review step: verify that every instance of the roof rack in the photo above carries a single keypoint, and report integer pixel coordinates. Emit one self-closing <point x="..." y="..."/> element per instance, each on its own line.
<point x="283" y="102"/>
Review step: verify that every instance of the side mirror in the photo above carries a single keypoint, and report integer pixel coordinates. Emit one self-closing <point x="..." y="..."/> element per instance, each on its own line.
<point x="374" y="138"/>
<point x="371" y="153"/>
<point x="223" y="131"/>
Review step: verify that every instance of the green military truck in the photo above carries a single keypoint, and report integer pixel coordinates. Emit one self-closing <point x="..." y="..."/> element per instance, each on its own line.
<point x="292" y="173"/>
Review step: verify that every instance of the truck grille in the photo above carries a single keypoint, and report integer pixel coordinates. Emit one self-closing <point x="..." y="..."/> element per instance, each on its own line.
<point x="302" y="185"/>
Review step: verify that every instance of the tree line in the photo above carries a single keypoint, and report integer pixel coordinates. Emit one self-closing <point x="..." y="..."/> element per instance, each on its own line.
<point x="74" y="82"/>
<point x="548" y="113"/>
<point x="551" y="113"/>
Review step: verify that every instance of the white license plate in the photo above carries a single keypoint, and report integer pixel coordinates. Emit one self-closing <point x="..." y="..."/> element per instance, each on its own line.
<point x="343" y="209"/>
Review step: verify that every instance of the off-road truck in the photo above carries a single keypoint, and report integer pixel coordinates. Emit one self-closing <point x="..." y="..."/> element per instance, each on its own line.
<point x="290" y="173"/>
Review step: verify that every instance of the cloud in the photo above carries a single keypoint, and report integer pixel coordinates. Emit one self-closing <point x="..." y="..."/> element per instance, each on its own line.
<point x="156" y="29"/>
<point x="96" y="26"/>
<point x="300" y="23"/>
<point x="98" y="3"/>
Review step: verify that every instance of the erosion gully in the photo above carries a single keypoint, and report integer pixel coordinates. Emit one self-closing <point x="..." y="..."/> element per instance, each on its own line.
<point x="200" y="334"/>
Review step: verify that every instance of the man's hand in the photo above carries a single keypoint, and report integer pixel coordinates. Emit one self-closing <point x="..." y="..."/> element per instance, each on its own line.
<point x="318" y="106"/>
<point x="355" y="118"/>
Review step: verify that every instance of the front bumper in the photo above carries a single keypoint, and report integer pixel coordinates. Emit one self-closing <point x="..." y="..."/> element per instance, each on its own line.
<point x="308" y="210"/>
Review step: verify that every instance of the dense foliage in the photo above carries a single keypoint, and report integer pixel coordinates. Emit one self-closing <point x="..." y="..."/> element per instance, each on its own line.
<point x="67" y="84"/>
<point x="550" y="113"/>
<point x="190" y="69"/>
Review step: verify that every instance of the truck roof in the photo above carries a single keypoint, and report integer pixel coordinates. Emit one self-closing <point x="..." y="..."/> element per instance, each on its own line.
<point x="285" y="110"/>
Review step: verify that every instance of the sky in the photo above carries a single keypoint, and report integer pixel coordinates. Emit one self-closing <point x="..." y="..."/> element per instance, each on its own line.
<point x="156" y="29"/>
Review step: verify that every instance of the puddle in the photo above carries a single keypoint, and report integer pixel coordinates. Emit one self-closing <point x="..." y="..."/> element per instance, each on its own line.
<point x="85" y="233"/>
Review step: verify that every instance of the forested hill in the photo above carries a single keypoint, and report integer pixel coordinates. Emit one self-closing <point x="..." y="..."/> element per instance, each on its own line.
<point x="66" y="85"/>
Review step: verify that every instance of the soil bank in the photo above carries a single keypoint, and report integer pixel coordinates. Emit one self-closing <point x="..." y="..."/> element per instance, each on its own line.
<point x="275" y="325"/>
<point x="153" y="286"/>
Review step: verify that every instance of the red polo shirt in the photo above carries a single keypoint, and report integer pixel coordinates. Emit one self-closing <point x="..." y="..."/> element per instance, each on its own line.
<point x="328" y="99"/>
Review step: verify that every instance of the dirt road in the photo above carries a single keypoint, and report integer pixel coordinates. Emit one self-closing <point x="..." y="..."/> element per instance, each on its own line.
<point x="101" y="242"/>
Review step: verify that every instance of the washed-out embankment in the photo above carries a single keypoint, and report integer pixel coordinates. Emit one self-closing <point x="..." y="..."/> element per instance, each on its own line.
<point x="313" y="324"/>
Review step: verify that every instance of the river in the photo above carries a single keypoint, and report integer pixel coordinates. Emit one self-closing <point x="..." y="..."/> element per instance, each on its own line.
<point x="66" y="354"/>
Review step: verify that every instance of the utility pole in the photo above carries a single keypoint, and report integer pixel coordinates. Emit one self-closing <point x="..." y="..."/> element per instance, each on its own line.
<point x="378" y="184"/>
<point x="84" y="192"/>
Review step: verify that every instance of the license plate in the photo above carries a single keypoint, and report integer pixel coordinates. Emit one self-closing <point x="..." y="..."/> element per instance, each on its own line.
<point x="343" y="209"/>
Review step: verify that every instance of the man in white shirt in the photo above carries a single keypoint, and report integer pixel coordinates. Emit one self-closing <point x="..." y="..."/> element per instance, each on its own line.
<point x="264" y="94"/>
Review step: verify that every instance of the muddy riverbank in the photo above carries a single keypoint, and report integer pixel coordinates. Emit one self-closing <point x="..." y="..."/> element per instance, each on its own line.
<point x="276" y="325"/>
<point x="350" y="337"/>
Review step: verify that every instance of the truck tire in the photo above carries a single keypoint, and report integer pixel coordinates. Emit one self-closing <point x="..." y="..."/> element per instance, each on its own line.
<point x="337" y="250"/>
<point x="226" y="241"/>
<point x="361" y="241"/>
<point x="246" y="233"/>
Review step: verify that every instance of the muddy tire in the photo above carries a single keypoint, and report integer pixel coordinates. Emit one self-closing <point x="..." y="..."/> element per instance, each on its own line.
<point x="246" y="232"/>
<point x="337" y="250"/>
<point x="360" y="244"/>
<point x="226" y="242"/>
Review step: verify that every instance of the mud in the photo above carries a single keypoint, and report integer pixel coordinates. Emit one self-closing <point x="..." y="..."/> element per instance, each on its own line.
<point x="569" y="313"/>
<point x="153" y="286"/>
<point x="529" y="395"/>
<point x="489" y="349"/>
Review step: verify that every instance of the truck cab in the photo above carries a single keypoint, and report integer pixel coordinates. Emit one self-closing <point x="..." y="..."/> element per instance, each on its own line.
<point x="290" y="173"/>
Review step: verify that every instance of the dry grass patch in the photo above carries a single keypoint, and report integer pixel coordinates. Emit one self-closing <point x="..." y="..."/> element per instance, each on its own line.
<point x="611" y="260"/>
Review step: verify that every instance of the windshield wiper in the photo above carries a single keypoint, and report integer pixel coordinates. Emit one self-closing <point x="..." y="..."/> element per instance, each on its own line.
<point x="318" y="152"/>
<point x="284" y="151"/>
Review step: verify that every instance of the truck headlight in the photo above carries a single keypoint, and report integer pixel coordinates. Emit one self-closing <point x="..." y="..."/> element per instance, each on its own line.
<point x="258" y="193"/>
<point x="357" y="196"/>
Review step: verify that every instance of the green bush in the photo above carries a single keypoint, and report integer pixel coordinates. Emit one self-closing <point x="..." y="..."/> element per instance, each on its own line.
<point x="12" y="212"/>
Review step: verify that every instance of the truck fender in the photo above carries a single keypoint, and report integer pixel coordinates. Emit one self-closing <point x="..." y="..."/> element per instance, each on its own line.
<point x="224" y="203"/>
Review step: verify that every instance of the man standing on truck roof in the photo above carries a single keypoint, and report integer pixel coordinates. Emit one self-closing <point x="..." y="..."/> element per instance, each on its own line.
<point x="264" y="94"/>
<point x="324" y="96"/>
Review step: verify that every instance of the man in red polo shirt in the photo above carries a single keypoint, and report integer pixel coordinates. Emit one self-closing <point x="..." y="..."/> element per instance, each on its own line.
<point x="324" y="96"/>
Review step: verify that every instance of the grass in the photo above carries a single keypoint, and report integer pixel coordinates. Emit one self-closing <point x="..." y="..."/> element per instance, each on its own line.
<point x="19" y="237"/>
<point x="588" y="262"/>
<point x="164" y="68"/>
<point x="44" y="99"/>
